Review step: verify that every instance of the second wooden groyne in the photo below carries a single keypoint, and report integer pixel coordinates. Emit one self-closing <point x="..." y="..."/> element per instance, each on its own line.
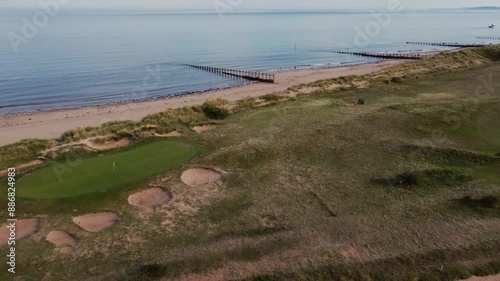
<point x="383" y="55"/>
<point x="251" y="75"/>
<point x="488" y="38"/>
<point x="454" y="45"/>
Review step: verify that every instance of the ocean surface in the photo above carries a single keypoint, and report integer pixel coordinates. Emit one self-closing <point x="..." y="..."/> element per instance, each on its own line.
<point x="85" y="57"/>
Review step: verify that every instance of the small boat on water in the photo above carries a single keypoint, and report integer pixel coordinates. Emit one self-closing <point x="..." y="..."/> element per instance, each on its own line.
<point x="491" y="26"/>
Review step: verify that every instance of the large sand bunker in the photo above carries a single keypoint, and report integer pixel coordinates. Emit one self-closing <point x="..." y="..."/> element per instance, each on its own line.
<point x="24" y="228"/>
<point x="200" y="176"/>
<point x="96" y="222"/>
<point x="61" y="238"/>
<point x="149" y="198"/>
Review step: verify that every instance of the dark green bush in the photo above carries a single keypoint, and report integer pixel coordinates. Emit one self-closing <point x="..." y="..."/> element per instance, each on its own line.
<point x="214" y="111"/>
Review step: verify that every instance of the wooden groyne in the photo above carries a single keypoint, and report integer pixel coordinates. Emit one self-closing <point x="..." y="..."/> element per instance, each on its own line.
<point x="454" y="45"/>
<point x="251" y="75"/>
<point x="488" y="38"/>
<point x="383" y="55"/>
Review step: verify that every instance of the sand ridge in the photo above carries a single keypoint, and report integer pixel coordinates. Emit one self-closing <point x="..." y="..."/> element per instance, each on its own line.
<point x="23" y="166"/>
<point x="149" y="198"/>
<point x="484" y="278"/>
<point x="96" y="222"/>
<point x="174" y="134"/>
<point x="200" y="176"/>
<point x="24" y="228"/>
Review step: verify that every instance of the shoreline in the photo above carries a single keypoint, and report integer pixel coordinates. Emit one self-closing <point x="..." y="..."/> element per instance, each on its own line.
<point x="179" y="94"/>
<point x="50" y="124"/>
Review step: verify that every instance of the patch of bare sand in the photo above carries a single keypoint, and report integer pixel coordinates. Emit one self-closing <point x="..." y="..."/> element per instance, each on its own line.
<point x="96" y="222"/>
<point x="174" y="134"/>
<point x="484" y="278"/>
<point x="61" y="238"/>
<point x="24" y="228"/>
<point x="23" y="166"/>
<point x="109" y="145"/>
<point x="149" y="198"/>
<point x="204" y="128"/>
<point x="200" y="176"/>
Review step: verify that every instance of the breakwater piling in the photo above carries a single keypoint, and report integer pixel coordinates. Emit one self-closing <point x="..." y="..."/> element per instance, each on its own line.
<point x="251" y="75"/>
<point x="383" y="55"/>
<point x="453" y="45"/>
<point x="488" y="38"/>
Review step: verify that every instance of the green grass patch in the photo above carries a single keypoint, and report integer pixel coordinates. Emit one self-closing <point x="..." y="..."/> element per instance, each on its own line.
<point x="452" y="157"/>
<point x="272" y="97"/>
<point x="427" y="178"/>
<point x="76" y="177"/>
<point x="490" y="202"/>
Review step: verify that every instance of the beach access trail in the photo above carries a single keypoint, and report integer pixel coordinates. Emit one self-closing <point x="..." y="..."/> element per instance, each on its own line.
<point x="51" y="124"/>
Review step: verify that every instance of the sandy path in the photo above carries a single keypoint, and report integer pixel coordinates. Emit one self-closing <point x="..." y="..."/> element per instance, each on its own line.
<point x="51" y="124"/>
<point x="485" y="278"/>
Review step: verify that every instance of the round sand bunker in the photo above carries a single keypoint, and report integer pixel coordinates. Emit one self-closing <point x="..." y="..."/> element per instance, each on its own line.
<point x="23" y="229"/>
<point x="96" y="222"/>
<point x="149" y="198"/>
<point x="200" y="176"/>
<point x="61" y="238"/>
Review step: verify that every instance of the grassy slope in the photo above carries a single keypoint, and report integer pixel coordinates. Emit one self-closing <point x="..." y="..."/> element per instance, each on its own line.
<point x="311" y="194"/>
<point x="82" y="176"/>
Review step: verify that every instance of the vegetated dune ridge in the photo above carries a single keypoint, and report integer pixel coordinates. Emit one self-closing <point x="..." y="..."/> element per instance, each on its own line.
<point x="51" y="124"/>
<point x="370" y="182"/>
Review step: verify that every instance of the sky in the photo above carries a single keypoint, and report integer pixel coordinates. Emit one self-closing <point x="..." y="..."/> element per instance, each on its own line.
<point x="254" y="4"/>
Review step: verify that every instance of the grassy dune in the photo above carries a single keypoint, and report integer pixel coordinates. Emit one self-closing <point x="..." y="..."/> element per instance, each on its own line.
<point x="403" y="187"/>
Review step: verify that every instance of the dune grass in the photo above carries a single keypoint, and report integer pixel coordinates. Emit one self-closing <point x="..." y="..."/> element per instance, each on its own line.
<point x="22" y="152"/>
<point x="101" y="173"/>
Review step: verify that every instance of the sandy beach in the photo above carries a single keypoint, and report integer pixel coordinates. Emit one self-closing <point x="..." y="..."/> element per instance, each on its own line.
<point x="51" y="124"/>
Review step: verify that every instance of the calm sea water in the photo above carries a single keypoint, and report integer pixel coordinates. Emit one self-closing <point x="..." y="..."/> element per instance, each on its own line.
<point x="97" y="57"/>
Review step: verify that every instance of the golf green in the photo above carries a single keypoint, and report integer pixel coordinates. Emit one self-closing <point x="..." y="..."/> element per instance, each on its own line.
<point x="105" y="172"/>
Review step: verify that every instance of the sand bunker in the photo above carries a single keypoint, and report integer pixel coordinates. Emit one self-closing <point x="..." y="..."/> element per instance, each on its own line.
<point x="149" y="198"/>
<point x="204" y="128"/>
<point x="174" y="134"/>
<point x="61" y="238"/>
<point x="109" y="145"/>
<point x="24" y="228"/>
<point x="200" y="176"/>
<point x="96" y="222"/>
